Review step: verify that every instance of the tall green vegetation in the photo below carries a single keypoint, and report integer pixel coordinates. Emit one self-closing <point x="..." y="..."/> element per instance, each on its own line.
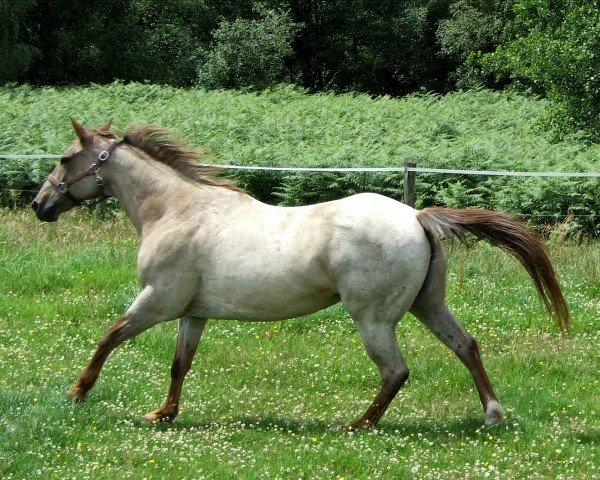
<point x="473" y="28"/>
<point x="249" y="53"/>
<point x="379" y="47"/>
<point x="387" y="47"/>
<point x="16" y="57"/>
<point x="549" y="48"/>
<point x="143" y="40"/>
<point x="285" y="127"/>
<point x="556" y="52"/>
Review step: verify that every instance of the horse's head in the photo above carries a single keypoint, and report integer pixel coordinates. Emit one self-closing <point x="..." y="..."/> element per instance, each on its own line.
<point x="76" y="177"/>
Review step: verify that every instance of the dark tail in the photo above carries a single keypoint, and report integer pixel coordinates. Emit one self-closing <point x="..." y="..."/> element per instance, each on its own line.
<point x="509" y="234"/>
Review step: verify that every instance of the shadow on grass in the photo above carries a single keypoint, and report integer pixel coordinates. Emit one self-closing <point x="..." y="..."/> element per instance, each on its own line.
<point x="102" y="417"/>
<point x="269" y="423"/>
<point x="592" y="438"/>
<point x="431" y="429"/>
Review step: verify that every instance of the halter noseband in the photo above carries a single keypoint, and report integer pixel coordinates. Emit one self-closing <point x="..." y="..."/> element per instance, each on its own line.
<point x="63" y="187"/>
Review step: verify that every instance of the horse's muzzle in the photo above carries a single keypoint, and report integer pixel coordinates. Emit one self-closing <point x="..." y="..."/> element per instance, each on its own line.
<point x="45" y="212"/>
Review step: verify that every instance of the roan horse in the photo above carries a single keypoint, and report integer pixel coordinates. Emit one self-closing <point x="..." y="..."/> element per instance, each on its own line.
<point x="209" y="250"/>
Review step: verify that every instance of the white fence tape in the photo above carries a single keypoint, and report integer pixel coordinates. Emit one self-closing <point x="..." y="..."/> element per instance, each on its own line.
<point x="413" y="169"/>
<point x="32" y="156"/>
<point x="503" y="172"/>
<point x="309" y="169"/>
<point x="367" y="169"/>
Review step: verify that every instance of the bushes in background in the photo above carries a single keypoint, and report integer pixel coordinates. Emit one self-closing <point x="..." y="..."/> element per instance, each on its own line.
<point x="479" y="130"/>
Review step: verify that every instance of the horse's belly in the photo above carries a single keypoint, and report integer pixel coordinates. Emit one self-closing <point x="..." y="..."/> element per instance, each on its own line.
<point x="262" y="301"/>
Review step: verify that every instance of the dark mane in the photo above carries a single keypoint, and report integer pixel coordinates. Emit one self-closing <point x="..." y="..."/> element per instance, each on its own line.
<point x="159" y="144"/>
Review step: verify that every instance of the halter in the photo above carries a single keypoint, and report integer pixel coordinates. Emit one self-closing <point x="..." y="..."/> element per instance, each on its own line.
<point x="63" y="187"/>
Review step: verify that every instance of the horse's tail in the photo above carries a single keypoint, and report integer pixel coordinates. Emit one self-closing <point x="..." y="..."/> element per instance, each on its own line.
<point x="509" y="234"/>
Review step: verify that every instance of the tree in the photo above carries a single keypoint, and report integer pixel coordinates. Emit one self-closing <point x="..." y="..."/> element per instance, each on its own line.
<point x="104" y="40"/>
<point x="473" y="27"/>
<point x="249" y="52"/>
<point x="556" y="53"/>
<point x="385" y="47"/>
<point x="15" y="56"/>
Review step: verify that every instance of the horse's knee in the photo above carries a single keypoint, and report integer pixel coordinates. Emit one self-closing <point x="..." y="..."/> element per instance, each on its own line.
<point x="403" y="376"/>
<point x="395" y="379"/>
<point x="180" y="367"/>
<point x="470" y="347"/>
<point x="114" y="335"/>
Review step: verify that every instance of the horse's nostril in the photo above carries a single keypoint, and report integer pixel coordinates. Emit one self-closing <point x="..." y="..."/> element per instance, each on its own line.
<point x="35" y="205"/>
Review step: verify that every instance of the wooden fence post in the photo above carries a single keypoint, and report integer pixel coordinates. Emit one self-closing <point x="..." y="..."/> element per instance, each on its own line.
<point x="409" y="185"/>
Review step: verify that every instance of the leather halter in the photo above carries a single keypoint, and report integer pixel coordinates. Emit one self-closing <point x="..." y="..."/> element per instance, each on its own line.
<point x="63" y="186"/>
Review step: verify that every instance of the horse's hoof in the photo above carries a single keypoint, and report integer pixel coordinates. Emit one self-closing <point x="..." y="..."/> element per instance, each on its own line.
<point x="159" y="416"/>
<point x="494" y="413"/>
<point x="359" y="425"/>
<point x="77" y="394"/>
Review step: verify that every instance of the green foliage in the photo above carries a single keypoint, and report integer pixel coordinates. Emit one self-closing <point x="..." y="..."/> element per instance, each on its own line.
<point x="167" y="41"/>
<point x="384" y="47"/>
<point x="573" y="202"/>
<point x="16" y="57"/>
<point x="309" y="188"/>
<point x="62" y="42"/>
<point x="556" y="54"/>
<point x="478" y="130"/>
<point x="249" y="53"/>
<point x="473" y="27"/>
<point x="18" y="183"/>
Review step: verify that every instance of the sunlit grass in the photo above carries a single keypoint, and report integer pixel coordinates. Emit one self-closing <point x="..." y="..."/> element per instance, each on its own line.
<point x="268" y="400"/>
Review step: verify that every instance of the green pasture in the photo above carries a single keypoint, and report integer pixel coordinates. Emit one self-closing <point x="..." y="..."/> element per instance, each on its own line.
<point x="269" y="400"/>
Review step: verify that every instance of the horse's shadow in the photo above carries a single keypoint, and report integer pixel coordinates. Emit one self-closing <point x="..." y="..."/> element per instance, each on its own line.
<point x="431" y="429"/>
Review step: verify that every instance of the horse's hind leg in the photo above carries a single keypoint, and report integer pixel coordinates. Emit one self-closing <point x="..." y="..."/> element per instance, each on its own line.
<point x="190" y="331"/>
<point x="382" y="347"/>
<point x="447" y="329"/>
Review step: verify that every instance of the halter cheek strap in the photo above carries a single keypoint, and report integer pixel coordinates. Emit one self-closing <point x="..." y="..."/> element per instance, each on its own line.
<point x="63" y="187"/>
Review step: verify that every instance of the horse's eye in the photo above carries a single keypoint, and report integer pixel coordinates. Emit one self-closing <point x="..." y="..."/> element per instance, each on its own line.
<point x="64" y="160"/>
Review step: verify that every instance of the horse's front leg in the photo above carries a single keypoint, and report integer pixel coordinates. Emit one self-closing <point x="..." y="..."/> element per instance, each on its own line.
<point x="142" y="315"/>
<point x="190" y="331"/>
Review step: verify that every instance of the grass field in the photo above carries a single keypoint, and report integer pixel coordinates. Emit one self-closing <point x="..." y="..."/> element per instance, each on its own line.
<point x="258" y="405"/>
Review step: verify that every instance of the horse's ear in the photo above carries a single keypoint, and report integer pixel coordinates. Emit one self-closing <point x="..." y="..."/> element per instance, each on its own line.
<point x="106" y="126"/>
<point x="82" y="134"/>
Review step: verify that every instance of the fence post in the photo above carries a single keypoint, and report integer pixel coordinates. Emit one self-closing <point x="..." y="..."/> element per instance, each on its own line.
<point x="409" y="185"/>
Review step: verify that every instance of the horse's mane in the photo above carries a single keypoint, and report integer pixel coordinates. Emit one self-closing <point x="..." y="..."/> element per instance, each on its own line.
<point x="158" y="143"/>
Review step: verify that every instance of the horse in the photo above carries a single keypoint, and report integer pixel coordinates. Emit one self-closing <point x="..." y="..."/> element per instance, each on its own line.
<point x="210" y="250"/>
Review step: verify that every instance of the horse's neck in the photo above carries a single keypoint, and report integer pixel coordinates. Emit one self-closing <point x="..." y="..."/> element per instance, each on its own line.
<point x="147" y="189"/>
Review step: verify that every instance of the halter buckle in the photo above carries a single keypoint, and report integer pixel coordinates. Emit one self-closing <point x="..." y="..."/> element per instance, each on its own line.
<point x="103" y="156"/>
<point x="63" y="188"/>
